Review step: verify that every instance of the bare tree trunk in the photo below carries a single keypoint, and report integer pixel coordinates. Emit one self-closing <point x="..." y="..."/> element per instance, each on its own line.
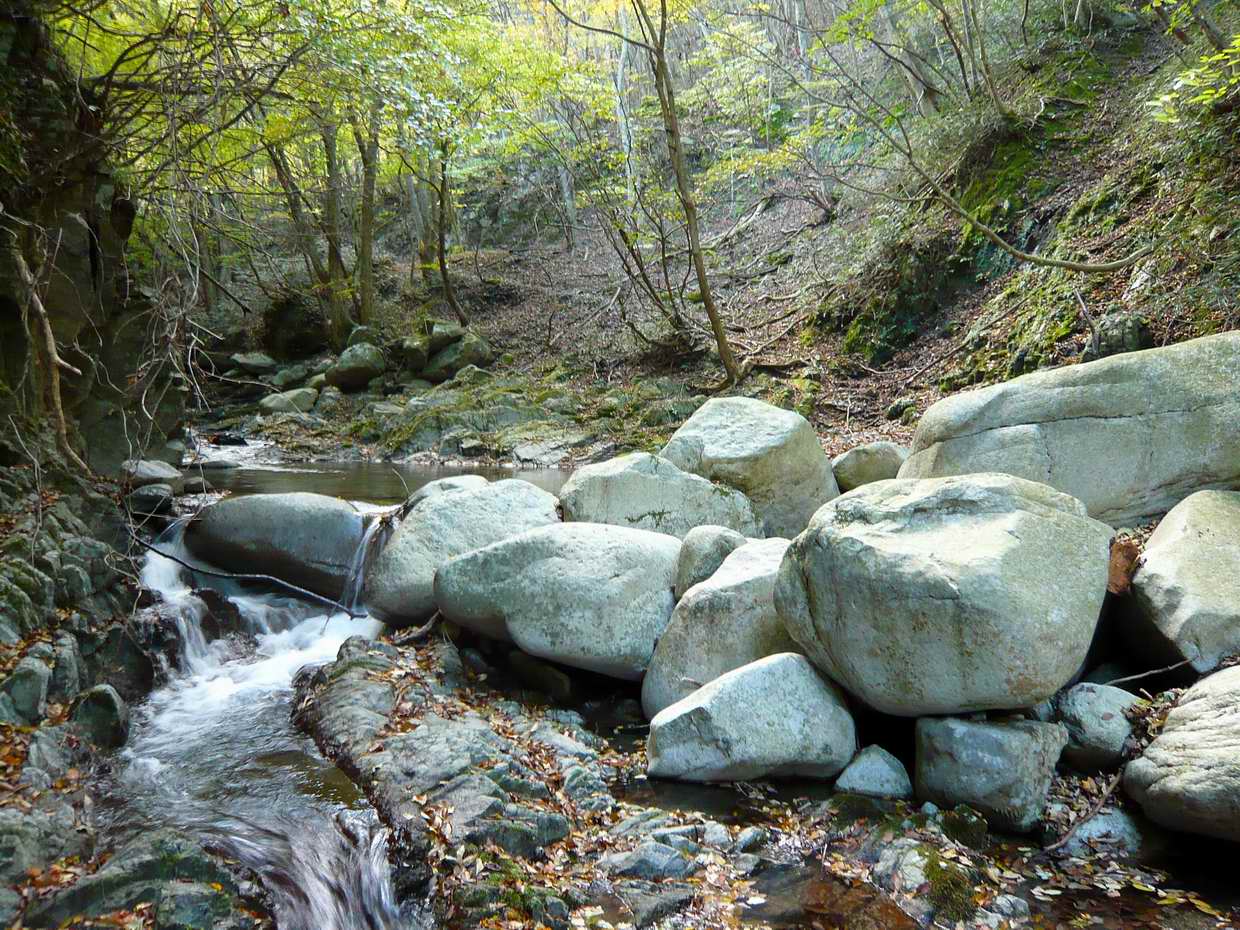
<point x="367" y="139"/>
<point x="657" y="53"/>
<point x="623" y="120"/>
<point x="570" y="208"/>
<point x="441" y="222"/>
<point x="341" y="321"/>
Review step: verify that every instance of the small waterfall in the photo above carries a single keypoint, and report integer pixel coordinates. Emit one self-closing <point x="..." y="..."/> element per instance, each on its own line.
<point x="374" y="537"/>
<point x="214" y="753"/>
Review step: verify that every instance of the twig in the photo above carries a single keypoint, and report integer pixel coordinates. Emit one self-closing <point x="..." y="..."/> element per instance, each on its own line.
<point x="408" y="636"/>
<point x="1096" y="339"/>
<point x="1157" y="671"/>
<point x="1097" y="806"/>
<point x="237" y="576"/>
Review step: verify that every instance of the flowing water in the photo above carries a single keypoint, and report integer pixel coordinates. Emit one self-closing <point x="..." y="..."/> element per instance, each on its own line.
<point x="213" y="754"/>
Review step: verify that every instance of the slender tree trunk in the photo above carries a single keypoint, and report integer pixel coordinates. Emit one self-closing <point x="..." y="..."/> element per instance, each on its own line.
<point x="570" y="208"/>
<point x="623" y="120"/>
<point x="367" y="139"/>
<point x="337" y="272"/>
<point x="441" y="222"/>
<point x="657" y="52"/>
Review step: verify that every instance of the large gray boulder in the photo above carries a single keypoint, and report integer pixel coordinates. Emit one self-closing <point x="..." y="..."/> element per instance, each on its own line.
<point x="309" y="540"/>
<point x="704" y="549"/>
<point x="1130" y="436"/>
<point x="1004" y="770"/>
<point x="399" y="586"/>
<point x="102" y="716"/>
<point x="1187" y="586"/>
<point x="947" y="595"/>
<point x="771" y="454"/>
<point x="1188" y="779"/>
<point x="725" y="622"/>
<point x="649" y="493"/>
<point x="357" y="366"/>
<point x="299" y="400"/>
<point x="874" y="461"/>
<point x="1095" y="717"/>
<point x="254" y="363"/>
<point x="776" y="716"/>
<point x="588" y="595"/>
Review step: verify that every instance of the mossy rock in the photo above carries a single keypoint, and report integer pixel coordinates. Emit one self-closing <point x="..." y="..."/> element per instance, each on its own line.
<point x="951" y="890"/>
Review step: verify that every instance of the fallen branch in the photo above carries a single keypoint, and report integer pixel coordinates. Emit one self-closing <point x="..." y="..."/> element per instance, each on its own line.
<point x="408" y="636"/>
<point x="246" y="576"/>
<point x="1157" y="671"/>
<point x="1097" y="806"/>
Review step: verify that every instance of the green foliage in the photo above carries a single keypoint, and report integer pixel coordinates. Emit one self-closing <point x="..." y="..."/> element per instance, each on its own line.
<point x="1204" y="92"/>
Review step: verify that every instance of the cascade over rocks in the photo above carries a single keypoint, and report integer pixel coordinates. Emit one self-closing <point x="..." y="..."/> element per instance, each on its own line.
<point x="399" y="585"/>
<point x="1189" y="777"/>
<point x="1130" y="436"/>
<point x="776" y="716"/>
<point x="309" y="540"/>
<point x="646" y="492"/>
<point x="704" y="549"/>
<point x="1004" y="770"/>
<point x="772" y="455"/>
<point x="588" y="595"/>
<point x="874" y="461"/>
<point x="725" y="622"/>
<point x="947" y="595"/>
<point x="1187" y="587"/>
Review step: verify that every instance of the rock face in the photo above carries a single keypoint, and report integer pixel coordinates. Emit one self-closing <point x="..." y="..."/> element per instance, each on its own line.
<point x="589" y="595"/>
<point x="306" y="539"/>
<point x="725" y="622"/>
<point x="1096" y="723"/>
<point x="649" y="493"/>
<point x="357" y="366"/>
<point x="1187" y="587"/>
<point x="300" y="400"/>
<point x="1189" y="777"/>
<point x="776" y="716"/>
<point x="704" y="550"/>
<point x="1066" y="427"/>
<point x="1004" y="770"/>
<point x="947" y="595"/>
<point x="875" y="773"/>
<point x="399" y="585"/>
<point x="875" y="461"/>
<point x="770" y="454"/>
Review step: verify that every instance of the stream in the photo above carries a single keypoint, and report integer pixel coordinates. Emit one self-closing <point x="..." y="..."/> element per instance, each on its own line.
<point x="213" y="753"/>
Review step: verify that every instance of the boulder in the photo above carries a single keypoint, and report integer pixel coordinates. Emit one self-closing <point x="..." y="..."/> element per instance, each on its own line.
<point x="254" y="363"/>
<point x="777" y="716"/>
<point x="331" y="400"/>
<point x="443" y="485"/>
<point x="1076" y="428"/>
<point x="947" y="595"/>
<point x="414" y="352"/>
<point x="1003" y="770"/>
<point x="23" y="695"/>
<point x="150" y="500"/>
<point x="357" y="366"/>
<point x="704" y="549"/>
<point x="102" y="716"/>
<point x="360" y="334"/>
<point x="287" y="377"/>
<point x="725" y="622"/>
<point x="1119" y="834"/>
<point x="442" y="333"/>
<point x="300" y="400"/>
<point x="139" y="473"/>
<point x="309" y="540"/>
<point x="400" y="583"/>
<point x="770" y="454"/>
<point x="1188" y="779"/>
<point x="587" y="595"/>
<point x="1094" y="716"/>
<point x="875" y="461"/>
<point x="649" y="493"/>
<point x="472" y="349"/>
<point x="1187" y="584"/>
<point x="875" y="773"/>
